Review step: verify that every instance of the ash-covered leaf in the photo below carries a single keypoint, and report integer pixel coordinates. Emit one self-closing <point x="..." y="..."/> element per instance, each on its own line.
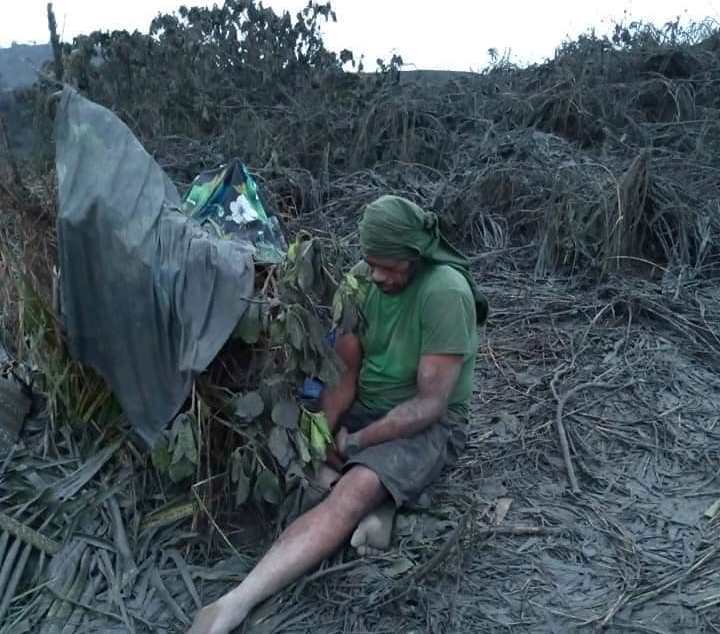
<point x="337" y="306"/>
<point x="278" y="331"/>
<point x="242" y="488"/>
<point x="348" y="299"/>
<point x="286" y="414"/>
<point x="308" y="362"/>
<point x="330" y="369"/>
<point x="267" y="487"/>
<point x="249" y="406"/>
<point x="317" y="336"/>
<point x="317" y="431"/>
<point x="236" y="464"/>
<point x="240" y="476"/>
<point x="280" y="446"/>
<point x="303" y="448"/>
<point x="295" y="330"/>
<point x="183" y="440"/>
<point x="250" y="327"/>
<point x="292" y="251"/>
<point x="399" y="567"/>
<point x="181" y="470"/>
<point x="161" y="455"/>
<point x="306" y="267"/>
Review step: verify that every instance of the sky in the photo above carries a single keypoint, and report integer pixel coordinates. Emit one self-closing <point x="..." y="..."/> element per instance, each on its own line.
<point x="428" y="34"/>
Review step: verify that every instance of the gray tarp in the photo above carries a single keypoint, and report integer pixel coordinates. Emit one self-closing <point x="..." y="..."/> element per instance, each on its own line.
<point x="148" y="297"/>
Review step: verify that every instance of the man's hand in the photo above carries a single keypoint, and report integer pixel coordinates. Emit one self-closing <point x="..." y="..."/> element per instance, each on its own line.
<point x="346" y="444"/>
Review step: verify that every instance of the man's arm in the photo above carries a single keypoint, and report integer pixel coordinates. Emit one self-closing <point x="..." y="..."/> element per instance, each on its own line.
<point x="436" y="378"/>
<point x="337" y="399"/>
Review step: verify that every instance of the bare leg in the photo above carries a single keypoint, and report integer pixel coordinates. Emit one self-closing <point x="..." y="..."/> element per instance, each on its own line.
<point x="309" y="540"/>
<point x="373" y="534"/>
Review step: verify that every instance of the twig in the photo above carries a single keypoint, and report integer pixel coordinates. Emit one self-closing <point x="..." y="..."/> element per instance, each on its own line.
<point x="444" y="551"/>
<point x="561" y="401"/>
<point x="432" y="564"/>
<point x="520" y="530"/>
<point x="561" y="429"/>
<point x="211" y="519"/>
<point x="621" y="600"/>
<point x="489" y="254"/>
<point x="652" y="594"/>
<point x="96" y="610"/>
<point x="324" y="572"/>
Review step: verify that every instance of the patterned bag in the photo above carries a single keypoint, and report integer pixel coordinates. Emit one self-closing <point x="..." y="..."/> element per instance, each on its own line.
<point x="227" y="199"/>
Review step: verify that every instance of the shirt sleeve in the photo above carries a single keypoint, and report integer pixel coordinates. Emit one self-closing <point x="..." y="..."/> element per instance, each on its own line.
<point x="448" y="322"/>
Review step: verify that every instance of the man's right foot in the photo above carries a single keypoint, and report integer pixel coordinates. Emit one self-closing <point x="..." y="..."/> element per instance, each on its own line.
<point x="373" y="534"/>
<point x="317" y="488"/>
<point x="325" y="476"/>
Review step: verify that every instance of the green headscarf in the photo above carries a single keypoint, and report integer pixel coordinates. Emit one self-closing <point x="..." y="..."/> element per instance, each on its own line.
<point x="394" y="227"/>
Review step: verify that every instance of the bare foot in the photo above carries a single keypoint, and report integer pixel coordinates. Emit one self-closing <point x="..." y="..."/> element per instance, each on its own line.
<point x="373" y="534"/>
<point x="217" y="618"/>
<point x="207" y="621"/>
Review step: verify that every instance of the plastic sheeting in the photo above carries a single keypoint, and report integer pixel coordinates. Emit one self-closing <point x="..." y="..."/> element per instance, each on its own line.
<point x="148" y="297"/>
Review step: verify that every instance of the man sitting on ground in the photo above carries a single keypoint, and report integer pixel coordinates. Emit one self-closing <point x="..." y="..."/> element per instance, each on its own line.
<point x="400" y="409"/>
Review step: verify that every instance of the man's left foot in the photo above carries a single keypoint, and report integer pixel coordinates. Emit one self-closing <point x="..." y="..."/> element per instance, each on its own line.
<point x="373" y="534"/>
<point x="314" y="491"/>
<point x="325" y="476"/>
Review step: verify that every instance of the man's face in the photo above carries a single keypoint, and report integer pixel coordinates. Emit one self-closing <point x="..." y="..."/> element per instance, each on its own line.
<point x="392" y="276"/>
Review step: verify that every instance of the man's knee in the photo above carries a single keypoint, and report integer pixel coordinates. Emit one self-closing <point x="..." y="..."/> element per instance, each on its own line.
<point x="357" y="493"/>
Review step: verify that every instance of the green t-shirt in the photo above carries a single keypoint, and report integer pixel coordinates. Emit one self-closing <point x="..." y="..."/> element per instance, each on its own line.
<point x="434" y="314"/>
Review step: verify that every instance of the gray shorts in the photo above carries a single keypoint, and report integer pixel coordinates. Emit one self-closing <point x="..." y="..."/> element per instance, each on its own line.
<point x="406" y="466"/>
